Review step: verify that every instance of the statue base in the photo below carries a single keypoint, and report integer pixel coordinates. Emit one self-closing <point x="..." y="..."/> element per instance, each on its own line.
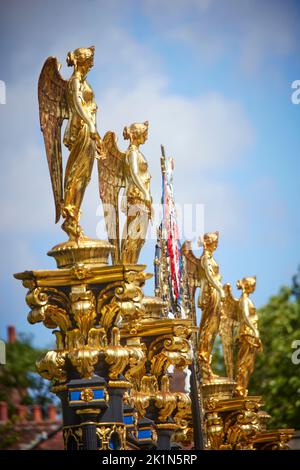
<point x="220" y="388"/>
<point x="86" y="252"/>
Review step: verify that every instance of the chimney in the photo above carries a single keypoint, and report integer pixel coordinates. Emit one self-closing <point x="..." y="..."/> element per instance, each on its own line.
<point x="3" y="412"/>
<point x="52" y="413"/>
<point x="37" y="413"/>
<point x="22" y="412"/>
<point x="11" y="334"/>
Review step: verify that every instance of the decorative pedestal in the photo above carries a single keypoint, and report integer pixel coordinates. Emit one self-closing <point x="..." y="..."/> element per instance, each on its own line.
<point x="234" y="423"/>
<point x="113" y="350"/>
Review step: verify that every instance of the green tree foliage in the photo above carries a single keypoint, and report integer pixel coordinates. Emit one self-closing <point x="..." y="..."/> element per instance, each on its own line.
<point x="8" y="434"/>
<point x="20" y="384"/>
<point x="18" y="377"/>
<point x="217" y="362"/>
<point x="276" y="378"/>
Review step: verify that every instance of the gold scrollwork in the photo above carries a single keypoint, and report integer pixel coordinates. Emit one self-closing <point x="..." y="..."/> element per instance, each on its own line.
<point x="215" y="430"/>
<point x="107" y="306"/>
<point x="82" y="356"/>
<point x="183" y="407"/>
<point x="165" y="401"/>
<point x="52" y="366"/>
<point x="141" y="399"/>
<point x="136" y="369"/>
<point x="49" y="306"/>
<point x="83" y="308"/>
<point x="116" y="356"/>
<point x="169" y="350"/>
<point x="122" y="299"/>
<point x="241" y="429"/>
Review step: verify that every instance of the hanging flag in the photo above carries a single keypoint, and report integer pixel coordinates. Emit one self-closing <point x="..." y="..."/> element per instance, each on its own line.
<point x="168" y="260"/>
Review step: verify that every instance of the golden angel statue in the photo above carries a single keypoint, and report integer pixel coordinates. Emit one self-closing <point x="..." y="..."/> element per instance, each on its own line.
<point x="73" y="100"/>
<point x="130" y="171"/>
<point x="247" y="337"/>
<point x="203" y="272"/>
<point x="227" y="328"/>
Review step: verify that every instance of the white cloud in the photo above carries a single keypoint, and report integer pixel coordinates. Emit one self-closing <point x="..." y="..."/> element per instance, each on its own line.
<point x="204" y="135"/>
<point x="265" y="30"/>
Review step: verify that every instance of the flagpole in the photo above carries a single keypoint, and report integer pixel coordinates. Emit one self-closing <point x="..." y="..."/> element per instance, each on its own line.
<point x="196" y="407"/>
<point x="167" y="201"/>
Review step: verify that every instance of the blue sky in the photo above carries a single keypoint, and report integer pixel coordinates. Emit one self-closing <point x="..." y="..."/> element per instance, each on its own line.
<point x="213" y="79"/>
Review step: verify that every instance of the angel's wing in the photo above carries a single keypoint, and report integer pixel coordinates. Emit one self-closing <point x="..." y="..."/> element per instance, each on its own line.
<point x="52" y="91"/>
<point x="192" y="263"/>
<point x="193" y="272"/>
<point x="228" y="322"/>
<point x="111" y="180"/>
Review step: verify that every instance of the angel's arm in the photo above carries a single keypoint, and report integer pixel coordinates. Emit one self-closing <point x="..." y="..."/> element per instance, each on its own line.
<point x="211" y="277"/>
<point x="245" y="313"/>
<point x="78" y="104"/>
<point x="133" y="160"/>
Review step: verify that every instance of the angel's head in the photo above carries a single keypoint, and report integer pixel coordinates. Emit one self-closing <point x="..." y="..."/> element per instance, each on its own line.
<point x="247" y="284"/>
<point x="83" y="57"/>
<point x="137" y="133"/>
<point x="227" y="289"/>
<point x="209" y="241"/>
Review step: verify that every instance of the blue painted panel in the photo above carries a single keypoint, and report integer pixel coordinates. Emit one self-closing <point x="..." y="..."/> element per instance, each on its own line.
<point x="75" y="395"/>
<point x="98" y="394"/>
<point x="128" y="419"/>
<point x="145" y="434"/>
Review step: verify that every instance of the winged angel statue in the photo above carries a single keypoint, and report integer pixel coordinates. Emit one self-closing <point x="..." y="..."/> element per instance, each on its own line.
<point x="228" y="326"/>
<point x="235" y="320"/>
<point x="203" y="272"/>
<point x="73" y="100"/>
<point x="128" y="170"/>
<point x="238" y="325"/>
<point x="247" y="336"/>
<point x="219" y="307"/>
